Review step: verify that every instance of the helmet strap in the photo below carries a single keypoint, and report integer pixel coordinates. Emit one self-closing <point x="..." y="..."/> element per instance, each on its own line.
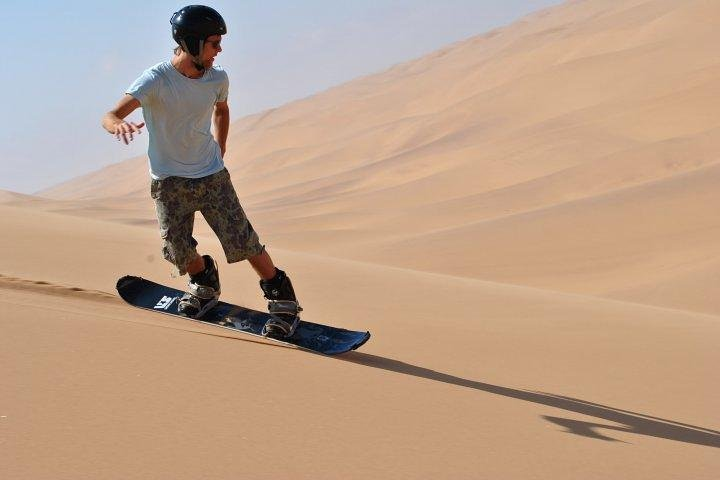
<point x="197" y="64"/>
<point x="196" y="59"/>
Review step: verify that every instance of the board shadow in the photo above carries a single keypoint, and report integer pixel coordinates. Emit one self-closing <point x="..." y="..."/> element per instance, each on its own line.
<point x="630" y="422"/>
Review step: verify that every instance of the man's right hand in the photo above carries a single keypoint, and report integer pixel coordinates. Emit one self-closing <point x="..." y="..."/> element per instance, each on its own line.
<point x="124" y="130"/>
<point x="114" y="122"/>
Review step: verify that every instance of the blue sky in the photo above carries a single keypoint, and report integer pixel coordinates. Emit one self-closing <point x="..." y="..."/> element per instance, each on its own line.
<point x="69" y="62"/>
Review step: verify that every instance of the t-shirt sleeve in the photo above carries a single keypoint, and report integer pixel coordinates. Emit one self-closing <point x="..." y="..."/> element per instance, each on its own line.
<point x="222" y="94"/>
<point x="144" y="87"/>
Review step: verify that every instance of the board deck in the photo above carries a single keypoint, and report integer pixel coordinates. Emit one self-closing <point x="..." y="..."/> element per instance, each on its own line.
<point x="314" y="337"/>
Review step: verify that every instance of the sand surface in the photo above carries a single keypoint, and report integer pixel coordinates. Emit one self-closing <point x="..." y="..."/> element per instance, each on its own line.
<point x="526" y="221"/>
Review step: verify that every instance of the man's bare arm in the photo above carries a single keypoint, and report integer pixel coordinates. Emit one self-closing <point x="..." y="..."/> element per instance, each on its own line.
<point x="113" y="121"/>
<point x="221" y="124"/>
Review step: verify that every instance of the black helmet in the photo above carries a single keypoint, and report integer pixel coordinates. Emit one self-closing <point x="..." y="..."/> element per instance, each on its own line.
<point x="193" y="24"/>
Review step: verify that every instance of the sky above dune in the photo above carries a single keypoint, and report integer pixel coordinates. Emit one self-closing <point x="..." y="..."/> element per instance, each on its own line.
<point x="69" y="62"/>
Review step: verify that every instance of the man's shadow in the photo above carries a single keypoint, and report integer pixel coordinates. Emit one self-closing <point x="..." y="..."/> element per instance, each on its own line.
<point x="631" y="422"/>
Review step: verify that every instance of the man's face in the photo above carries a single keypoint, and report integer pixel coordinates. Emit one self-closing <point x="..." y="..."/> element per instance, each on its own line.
<point x="210" y="49"/>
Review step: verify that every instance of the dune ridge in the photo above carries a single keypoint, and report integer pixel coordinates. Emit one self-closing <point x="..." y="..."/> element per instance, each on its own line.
<point x="49" y="288"/>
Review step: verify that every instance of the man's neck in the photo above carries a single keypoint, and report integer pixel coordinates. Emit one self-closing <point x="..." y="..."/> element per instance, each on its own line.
<point x="184" y="64"/>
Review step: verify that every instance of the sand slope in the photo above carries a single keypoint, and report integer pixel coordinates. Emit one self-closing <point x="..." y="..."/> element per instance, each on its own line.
<point x="518" y="382"/>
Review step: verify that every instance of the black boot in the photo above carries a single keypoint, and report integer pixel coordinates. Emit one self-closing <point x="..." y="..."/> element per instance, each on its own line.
<point x="282" y="305"/>
<point x="203" y="293"/>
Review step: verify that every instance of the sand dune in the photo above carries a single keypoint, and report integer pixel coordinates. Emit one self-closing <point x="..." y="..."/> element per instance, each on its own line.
<point x="578" y="103"/>
<point x="124" y="179"/>
<point x="524" y="220"/>
<point x="639" y="235"/>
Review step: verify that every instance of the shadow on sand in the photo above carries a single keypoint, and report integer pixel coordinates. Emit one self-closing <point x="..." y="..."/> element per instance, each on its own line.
<point x="631" y="422"/>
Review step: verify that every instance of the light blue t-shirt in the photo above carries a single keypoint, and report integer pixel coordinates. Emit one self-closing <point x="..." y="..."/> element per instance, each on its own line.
<point x="178" y="115"/>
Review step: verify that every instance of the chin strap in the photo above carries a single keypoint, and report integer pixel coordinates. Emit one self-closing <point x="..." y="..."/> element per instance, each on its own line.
<point x="196" y="59"/>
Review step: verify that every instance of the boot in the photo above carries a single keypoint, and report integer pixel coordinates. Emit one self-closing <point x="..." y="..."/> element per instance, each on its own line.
<point x="203" y="292"/>
<point x="282" y="305"/>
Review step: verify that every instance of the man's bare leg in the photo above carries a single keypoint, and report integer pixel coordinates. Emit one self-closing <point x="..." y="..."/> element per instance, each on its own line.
<point x="196" y="266"/>
<point x="263" y="265"/>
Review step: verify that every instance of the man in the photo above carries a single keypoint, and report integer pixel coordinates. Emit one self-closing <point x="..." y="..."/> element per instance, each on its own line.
<point x="180" y="99"/>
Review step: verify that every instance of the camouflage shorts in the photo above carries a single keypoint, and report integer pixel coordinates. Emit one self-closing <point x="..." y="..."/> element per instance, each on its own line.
<point x="176" y="201"/>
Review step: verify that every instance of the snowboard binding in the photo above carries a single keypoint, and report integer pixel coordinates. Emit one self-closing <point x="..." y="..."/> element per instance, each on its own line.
<point x="282" y="305"/>
<point x="203" y="291"/>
